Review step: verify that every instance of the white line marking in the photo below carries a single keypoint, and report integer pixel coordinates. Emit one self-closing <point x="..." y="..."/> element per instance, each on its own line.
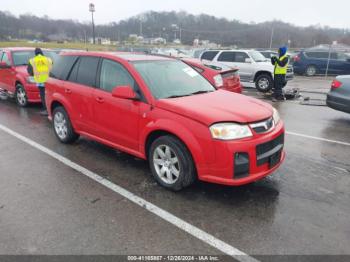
<point x="178" y="222"/>
<point x="318" y="138"/>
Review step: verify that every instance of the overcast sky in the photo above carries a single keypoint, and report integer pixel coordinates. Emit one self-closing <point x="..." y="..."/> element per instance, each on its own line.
<point x="333" y="13"/>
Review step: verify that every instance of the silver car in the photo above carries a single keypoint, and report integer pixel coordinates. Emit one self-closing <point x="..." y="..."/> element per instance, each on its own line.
<point x="339" y="96"/>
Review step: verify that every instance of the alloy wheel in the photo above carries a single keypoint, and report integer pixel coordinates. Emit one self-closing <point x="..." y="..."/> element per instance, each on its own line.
<point x="166" y="164"/>
<point x="263" y="83"/>
<point x="21" y="96"/>
<point x="60" y="124"/>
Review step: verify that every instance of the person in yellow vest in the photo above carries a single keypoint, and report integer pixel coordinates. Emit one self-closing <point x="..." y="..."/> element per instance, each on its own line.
<point x="39" y="67"/>
<point x="281" y="65"/>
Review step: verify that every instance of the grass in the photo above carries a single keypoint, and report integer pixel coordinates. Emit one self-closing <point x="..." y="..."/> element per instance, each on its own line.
<point x="74" y="45"/>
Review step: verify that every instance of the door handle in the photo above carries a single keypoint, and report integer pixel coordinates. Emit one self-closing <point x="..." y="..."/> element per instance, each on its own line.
<point x="100" y="99"/>
<point x="68" y="91"/>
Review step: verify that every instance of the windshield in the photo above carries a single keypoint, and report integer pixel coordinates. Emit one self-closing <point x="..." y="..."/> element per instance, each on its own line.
<point x="167" y="79"/>
<point x="257" y="56"/>
<point x="22" y="57"/>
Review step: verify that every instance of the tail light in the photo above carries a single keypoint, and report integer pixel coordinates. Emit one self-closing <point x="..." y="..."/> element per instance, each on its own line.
<point x="296" y="58"/>
<point x="219" y="82"/>
<point x="336" y="84"/>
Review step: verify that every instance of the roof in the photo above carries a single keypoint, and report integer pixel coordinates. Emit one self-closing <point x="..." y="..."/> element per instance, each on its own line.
<point x="23" y="49"/>
<point x="124" y="55"/>
<point x="17" y="48"/>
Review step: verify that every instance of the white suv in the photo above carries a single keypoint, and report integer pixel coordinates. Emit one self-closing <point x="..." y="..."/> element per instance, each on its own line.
<point x="253" y="67"/>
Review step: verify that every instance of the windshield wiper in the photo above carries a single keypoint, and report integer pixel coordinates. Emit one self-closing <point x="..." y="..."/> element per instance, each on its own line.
<point x="175" y="96"/>
<point x="200" y="92"/>
<point x="190" y="94"/>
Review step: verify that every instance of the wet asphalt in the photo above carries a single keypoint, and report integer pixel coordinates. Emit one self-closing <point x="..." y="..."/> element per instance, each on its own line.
<point x="302" y="209"/>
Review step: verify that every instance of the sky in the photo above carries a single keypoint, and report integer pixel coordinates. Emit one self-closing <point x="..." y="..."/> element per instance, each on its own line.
<point x="333" y="13"/>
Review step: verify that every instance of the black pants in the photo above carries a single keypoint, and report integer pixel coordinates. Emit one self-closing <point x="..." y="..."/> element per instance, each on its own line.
<point x="42" y="95"/>
<point x="278" y="83"/>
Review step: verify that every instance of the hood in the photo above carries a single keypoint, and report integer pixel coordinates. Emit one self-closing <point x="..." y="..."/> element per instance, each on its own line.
<point x="218" y="106"/>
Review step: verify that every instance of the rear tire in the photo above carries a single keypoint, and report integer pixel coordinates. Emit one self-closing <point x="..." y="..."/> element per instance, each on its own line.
<point x="264" y="83"/>
<point x="311" y="70"/>
<point x="21" y="96"/>
<point x="171" y="163"/>
<point x="63" y="127"/>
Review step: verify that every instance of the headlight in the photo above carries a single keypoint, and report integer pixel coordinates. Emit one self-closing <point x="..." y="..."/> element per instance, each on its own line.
<point x="230" y="131"/>
<point x="219" y="82"/>
<point x="276" y="116"/>
<point x="30" y="80"/>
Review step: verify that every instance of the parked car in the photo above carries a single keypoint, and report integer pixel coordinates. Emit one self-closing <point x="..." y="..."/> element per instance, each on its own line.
<point x="14" y="79"/>
<point x="253" y="66"/>
<point x="314" y="62"/>
<point x="221" y="76"/>
<point x="339" y="96"/>
<point x="161" y="109"/>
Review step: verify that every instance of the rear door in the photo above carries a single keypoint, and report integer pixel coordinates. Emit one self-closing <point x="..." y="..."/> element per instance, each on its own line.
<point x="117" y="119"/>
<point x="78" y="89"/>
<point x="237" y="59"/>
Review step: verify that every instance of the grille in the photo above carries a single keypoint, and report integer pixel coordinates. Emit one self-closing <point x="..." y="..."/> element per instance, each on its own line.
<point x="265" y="151"/>
<point x="264" y="126"/>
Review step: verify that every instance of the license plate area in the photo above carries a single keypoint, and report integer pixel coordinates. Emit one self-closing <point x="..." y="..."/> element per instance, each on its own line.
<point x="274" y="159"/>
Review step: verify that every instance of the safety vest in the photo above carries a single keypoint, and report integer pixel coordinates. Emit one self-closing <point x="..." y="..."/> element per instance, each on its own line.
<point x="279" y="70"/>
<point x="41" y="68"/>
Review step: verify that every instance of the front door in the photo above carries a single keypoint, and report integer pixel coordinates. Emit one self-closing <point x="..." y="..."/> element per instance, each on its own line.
<point x="117" y="120"/>
<point x="7" y="74"/>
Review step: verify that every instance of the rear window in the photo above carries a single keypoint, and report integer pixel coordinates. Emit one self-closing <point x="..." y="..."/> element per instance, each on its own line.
<point x="209" y="55"/>
<point x="62" y="67"/>
<point x="87" y="71"/>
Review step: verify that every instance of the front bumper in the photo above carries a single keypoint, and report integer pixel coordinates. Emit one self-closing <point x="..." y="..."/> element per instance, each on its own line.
<point x="33" y="93"/>
<point x="223" y="170"/>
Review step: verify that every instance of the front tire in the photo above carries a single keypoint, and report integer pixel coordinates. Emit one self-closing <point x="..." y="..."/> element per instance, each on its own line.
<point x="63" y="127"/>
<point x="21" y="96"/>
<point x="171" y="163"/>
<point x="264" y="83"/>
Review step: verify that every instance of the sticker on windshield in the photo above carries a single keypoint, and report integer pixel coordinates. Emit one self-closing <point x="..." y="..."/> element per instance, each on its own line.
<point x="191" y="72"/>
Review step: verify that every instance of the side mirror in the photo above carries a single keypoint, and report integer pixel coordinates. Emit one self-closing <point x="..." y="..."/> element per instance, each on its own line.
<point x="124" y="92"/>
<point x="248" y="60"/>
<point x="3" y="65"/>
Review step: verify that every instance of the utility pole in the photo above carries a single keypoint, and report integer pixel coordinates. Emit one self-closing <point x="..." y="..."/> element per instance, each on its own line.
<point x="272" y="33"/>
<point x="92" y="10"/>
<point x="140" y="27"/>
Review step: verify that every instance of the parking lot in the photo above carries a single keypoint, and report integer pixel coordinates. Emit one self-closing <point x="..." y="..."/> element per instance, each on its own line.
<point x="90" y="199"/>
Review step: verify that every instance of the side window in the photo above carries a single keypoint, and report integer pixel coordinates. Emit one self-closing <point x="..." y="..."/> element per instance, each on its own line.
<point x="227" y="57"/>
<point x="5" y="58"/>
<point x="317" y="55"/>
<point x="209" y="55"/>
<point x="240" y="57"/>
<point x="114" y="74"/>
<point x="62" y="67"/>
<point x="74" y="72"/>
<point x="87" y="70"/>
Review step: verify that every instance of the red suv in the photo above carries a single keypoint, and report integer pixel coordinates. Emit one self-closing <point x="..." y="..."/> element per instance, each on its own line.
<point x="163" y="110"/>
<point x="14" y="79"/>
